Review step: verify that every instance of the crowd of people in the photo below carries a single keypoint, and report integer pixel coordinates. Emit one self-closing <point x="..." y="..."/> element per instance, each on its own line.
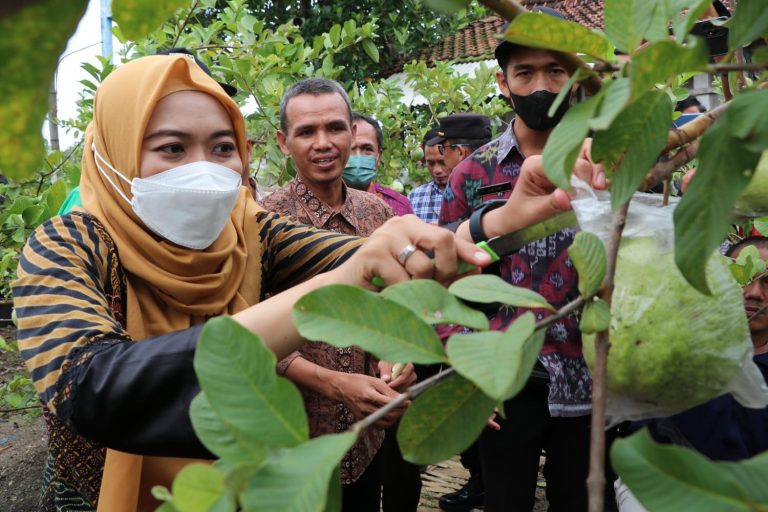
<point x="166" y="233"/>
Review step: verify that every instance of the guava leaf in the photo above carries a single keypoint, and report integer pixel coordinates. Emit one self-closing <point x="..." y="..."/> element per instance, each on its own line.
<point x="725" y="166"/>
<point x="628" y="22"/>
<point x="487" y="288"/>
<point x="684" y="24"/>
<point x="540" y="30"/>
<point x="237" y="374"/>
<point x="643" y="126"/>
<point x="617" y="94"/>
<point x="137" y="18"/>
<point x="749" y="21"/>
<point x="499" y="363"/>
<point x="434" y="303"/>
<point x="370" y="49"/>
<point x="231" y="444"/>
<point x="443" y="421"/>
<point x="34" y="35"/>
<point x="346" y="315"/>
<point x="198" y="487"/>
<point x="565" y="141"/>
<point x="595" y="317"/>
<point x="663" y="60"/>
<point x="667" y="477"/>
<point x="747" y="265"/>
<point x="588" y="255"/>
<point x="298" y="479"/>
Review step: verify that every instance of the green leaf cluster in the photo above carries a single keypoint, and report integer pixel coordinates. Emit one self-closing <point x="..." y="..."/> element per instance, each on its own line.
<point x="668" y="478"/>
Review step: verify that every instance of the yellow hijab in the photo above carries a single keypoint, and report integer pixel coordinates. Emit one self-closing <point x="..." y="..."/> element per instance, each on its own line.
<point x="169" y="287"/>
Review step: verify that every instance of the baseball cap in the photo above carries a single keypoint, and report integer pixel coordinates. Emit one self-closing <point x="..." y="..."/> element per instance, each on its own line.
<point x="462" y="126"/>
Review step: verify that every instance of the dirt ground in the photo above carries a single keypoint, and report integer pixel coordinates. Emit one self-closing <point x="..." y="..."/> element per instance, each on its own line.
<point x="23" y="452"/>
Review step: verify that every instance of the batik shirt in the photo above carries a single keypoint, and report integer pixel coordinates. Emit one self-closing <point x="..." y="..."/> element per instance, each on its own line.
<point x="426" y="201"/>
<point x="542" y="266"/>
<point x="360" y="214"/>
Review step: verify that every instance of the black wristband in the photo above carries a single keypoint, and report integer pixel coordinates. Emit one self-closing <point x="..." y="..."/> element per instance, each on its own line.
<point x="476" y="219"/>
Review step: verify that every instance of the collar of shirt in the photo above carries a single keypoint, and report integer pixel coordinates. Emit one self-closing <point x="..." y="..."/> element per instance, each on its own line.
<point x="318" y="210"/>
<point x="507" y="142"/>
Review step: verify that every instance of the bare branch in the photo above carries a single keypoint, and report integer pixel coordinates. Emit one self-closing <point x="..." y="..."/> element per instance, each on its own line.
<point x="596" y="478"/>
<point x="663" y="170"/>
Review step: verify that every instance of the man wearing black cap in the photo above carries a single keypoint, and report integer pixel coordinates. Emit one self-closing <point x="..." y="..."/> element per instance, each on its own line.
<point x="444" y="147"/>
<point x="551" y="413"/>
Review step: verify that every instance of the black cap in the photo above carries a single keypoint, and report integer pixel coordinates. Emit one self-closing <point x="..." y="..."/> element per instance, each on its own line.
<point x="431" y="134"/>
<point x="230" y="90"/>
<point x="504" y="48"/>
<point x="462" y="126"/>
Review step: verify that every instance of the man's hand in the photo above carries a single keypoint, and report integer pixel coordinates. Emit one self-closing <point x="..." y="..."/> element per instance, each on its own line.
<point x="364" y="395"/>
<point x="402" y="381"/>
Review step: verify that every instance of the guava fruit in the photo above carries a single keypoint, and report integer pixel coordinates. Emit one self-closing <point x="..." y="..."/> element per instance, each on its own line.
<point x="397" y="186"/>
<point x="671" y="346"/>
<point x="753" y="202"/>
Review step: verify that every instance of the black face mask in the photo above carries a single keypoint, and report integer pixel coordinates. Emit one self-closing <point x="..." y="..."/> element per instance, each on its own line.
<point x="533" y="109"/>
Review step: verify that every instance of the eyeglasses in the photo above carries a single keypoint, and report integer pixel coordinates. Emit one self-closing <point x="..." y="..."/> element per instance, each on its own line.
<point x="441" y="147"/>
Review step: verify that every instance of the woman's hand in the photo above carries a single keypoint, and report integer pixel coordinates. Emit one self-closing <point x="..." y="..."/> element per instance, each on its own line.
<point x="395" y="252"/>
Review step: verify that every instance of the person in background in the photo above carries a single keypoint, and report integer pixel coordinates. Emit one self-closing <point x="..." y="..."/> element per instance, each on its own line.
<point x="459" y="135"/>
<point x="340" y="385"/>
<point x="552" y="412"/>
<point x="427" y="199"/>
<point x="363" y="164"/>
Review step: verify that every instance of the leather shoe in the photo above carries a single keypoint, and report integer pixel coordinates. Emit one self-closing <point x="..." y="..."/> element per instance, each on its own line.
<point x="465" y="499"/>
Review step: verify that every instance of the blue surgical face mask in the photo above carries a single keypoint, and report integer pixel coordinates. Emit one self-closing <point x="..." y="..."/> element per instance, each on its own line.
<point x="360" y="171"/>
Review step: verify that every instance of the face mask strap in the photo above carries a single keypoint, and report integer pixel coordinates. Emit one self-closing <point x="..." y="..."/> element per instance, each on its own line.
<point x="103" y="173"/>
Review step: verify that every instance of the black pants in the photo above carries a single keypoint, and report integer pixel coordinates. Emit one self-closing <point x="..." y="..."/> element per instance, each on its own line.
<point x="510" y="456"/>
<point x="400" y="479"/>
<point x="364" y="494"/>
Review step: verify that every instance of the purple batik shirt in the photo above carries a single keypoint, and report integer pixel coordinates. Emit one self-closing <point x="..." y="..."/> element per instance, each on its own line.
<point x="397" y="201"/>
<point x="542" y="266"/>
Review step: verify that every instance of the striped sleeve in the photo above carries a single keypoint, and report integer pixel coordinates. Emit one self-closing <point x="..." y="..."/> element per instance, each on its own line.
<point x="294" y="252"/>
<point x="60" y="302"/>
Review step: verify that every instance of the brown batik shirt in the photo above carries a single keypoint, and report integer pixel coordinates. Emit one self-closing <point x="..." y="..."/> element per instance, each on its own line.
<point x="360" y="214"/>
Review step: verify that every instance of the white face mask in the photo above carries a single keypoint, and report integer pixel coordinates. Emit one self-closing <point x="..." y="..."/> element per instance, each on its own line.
<point x="188" y="205"/>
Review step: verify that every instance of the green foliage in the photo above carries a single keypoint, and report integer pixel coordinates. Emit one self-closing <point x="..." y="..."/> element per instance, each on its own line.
<point x="196" y="487"/>
<point x="242" y="388"/>
<point x="632" y="147"/>
<point x="726" y="160"/>
<point x="749" y="22"/>
<point x="565" y="141"/>
<point x="444" y="421"/>
<point x="19" y="392"/>
<point x="434" y="304"/>
<point x="588" y="255"/>
<point x="595" y="317"/>
<point x="476" y="356"/>
<point x="344" y="315"/>
<point x="668" y="478"/>
<point x="487" y="288"/>
<point x="33" y="37"/>
<point x="662" y="61"/>
<point x="747" y="266"/>
<point x="137" y="17"/>
<point x="543" y="31"/>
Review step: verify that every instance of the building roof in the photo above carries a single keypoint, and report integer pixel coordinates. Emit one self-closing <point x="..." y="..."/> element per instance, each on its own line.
<point x="476" y="41"/>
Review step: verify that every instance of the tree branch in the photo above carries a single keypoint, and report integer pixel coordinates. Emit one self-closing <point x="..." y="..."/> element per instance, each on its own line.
<point x="596" y="478"/>
<point x="184" y="23"/>
<point x="564" y="311"/>
<point x="409" y="394"/>
<point x="663" y="170"/>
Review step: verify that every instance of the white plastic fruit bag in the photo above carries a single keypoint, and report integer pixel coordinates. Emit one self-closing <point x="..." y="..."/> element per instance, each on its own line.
<point x="672" y="347"/>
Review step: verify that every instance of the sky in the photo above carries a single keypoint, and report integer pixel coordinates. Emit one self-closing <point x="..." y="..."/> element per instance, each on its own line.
<point x="83" y="46"/>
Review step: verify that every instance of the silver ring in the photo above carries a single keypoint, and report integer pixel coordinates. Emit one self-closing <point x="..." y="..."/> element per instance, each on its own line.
<point x="406" y="253"/>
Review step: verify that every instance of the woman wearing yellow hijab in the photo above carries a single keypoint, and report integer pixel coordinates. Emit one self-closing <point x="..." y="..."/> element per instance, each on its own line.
<point x="111" y="298"/>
